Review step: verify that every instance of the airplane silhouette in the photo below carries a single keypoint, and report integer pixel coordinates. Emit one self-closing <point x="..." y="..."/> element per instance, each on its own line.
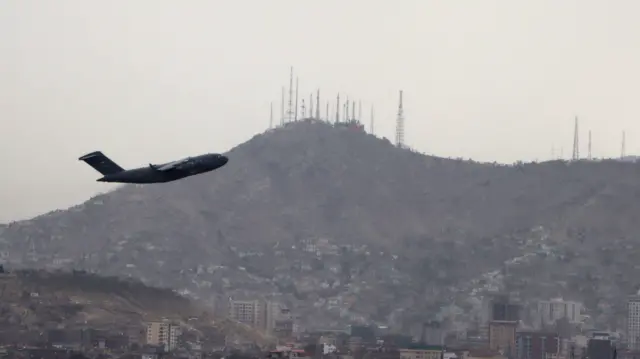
<point x="160" y="173"/>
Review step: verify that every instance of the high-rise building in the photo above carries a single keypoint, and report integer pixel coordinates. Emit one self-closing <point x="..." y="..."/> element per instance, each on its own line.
<point x="552" y="310"/>
<point x="633" y="322"/>
<point x="163" y="333"/>
<point x="250" y="312"/>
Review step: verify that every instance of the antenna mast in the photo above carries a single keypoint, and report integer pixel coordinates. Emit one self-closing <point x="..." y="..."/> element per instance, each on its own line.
<point x="576" y="142"/>
<point x="353" y="111"/>
<point x="302" y="110"/>
<point x="318" y="104"/>
<point x="328" y="112"/>
<point x="310" y="105"/>
<point x="290" y="111"/>
<point x="346" y="110"/>
<point x="295" y="118"/>
<point x="271" y="116"/>
<point x="282" y="109"/>
<point x="371" y="128"/>
<point x="338" y="109"/>
<point x="400" y="124"/>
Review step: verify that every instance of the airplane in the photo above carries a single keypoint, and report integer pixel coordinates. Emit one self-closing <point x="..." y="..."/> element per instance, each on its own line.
<point x="159" y="173"/>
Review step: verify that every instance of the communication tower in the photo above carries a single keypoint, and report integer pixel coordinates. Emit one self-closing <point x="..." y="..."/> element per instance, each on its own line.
<point x="371" y="127"/>
<point x="282" y="108"/>
<point x="271" y="116"/>
<point x="318" y="104"/>
<point x="576" y="142"/>
<point x="400" y="124"/>
<point x="295" y="118"/>
<point x="290" y="110"/>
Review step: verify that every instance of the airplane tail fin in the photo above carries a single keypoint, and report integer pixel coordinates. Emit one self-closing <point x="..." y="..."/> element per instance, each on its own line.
<point x="101" y="163"/>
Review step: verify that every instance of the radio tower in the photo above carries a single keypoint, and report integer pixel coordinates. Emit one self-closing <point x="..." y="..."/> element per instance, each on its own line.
<point x="346" y="110"/>
<point x="271" y="116"/>
<point x="290" y="110"/>
<point x="282" y="109"/>
<point x="589" y="148"/>
<point x="318" y="104"/>
<point x="623" y="150"/>
<point x="576" y="142"/>
<point x="371" y="128"/>
<point x="400" y="124"/>
<point x="295" y="118"/>
<point x="353" y="111"/>
<point x="327" y="112"/>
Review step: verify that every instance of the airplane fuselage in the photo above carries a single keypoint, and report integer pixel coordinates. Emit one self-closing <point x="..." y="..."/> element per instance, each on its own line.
<point x="167" y="172"/>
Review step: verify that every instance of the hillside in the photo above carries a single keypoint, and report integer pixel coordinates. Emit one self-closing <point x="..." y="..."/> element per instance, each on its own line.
<point x="34" y="299"/>
<point x="345" y="222"/>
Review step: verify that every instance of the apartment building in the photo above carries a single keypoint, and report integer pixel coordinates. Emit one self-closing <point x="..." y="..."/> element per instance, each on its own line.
<point x="633" y="322"/>
<point x="163" y="333"/>
<point x="552" y="310"/>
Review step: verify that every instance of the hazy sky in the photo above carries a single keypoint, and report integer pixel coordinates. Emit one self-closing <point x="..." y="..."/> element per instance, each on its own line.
<point x="155" y="80"/>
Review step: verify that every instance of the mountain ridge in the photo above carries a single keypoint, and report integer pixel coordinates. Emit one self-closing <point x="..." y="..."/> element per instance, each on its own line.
<point x="295" y="188"/>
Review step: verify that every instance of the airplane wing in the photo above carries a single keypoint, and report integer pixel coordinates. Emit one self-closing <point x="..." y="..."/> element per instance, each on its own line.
<point x="171" y="165"/>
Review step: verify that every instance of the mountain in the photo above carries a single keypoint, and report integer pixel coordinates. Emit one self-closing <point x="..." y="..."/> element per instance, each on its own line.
<point x="345" y="227"/>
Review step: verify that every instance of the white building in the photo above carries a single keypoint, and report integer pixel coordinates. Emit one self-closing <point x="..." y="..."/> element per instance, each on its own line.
<point x="552" y="310"/>
<point x="163" y="333"/>
<point x="633" y="322"/>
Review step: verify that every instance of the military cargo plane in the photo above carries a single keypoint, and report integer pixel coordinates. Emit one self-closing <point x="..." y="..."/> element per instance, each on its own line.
<point x="159" y="173"/>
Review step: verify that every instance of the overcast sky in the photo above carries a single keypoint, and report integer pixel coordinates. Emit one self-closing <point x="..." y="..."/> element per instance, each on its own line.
<point x="156" y="80"/>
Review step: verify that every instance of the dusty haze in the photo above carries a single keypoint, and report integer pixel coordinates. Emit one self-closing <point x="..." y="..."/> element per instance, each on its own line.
<point x="151" y="80"/>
